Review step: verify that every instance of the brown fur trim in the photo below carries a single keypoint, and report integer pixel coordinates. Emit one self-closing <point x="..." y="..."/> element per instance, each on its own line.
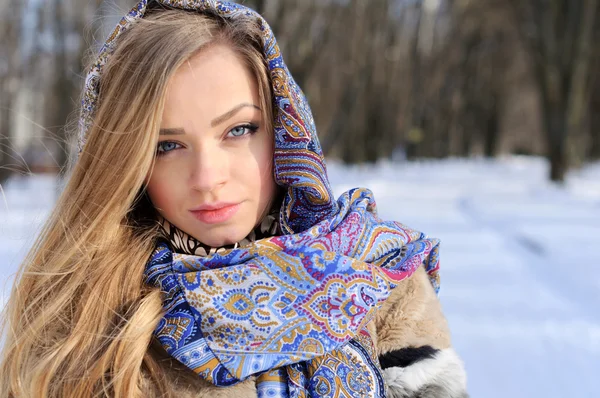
<point x="411" y="317"/>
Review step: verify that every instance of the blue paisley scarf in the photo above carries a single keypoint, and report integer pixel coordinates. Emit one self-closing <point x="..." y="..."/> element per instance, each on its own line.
<point x="289" y="309"/>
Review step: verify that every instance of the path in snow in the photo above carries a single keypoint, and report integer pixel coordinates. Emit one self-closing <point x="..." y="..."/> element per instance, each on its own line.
<point x="519" y="265"/>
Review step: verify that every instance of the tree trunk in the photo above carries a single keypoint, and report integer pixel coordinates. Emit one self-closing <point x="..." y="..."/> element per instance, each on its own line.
<point x="594" y="153"/>
<point x="560" y="38"/>
<point x="63" y="90"/>
<point x="7" y="155"/>
<point x="467" y="141"/>
<point x="580" y="94"/>
<point x="558" y="163"/>
<point x="9" y="86"/>
<point x="259" y="6"/>
<point x="555" y="124"/>
<point x="492" y="134"/>
<point x="415" y="106"/>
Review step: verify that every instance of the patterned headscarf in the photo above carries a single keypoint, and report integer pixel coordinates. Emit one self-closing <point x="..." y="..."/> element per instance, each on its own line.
<point x="289" y="309"/>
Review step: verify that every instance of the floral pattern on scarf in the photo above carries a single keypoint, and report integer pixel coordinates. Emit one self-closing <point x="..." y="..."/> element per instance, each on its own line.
<point x="291" y="309"/>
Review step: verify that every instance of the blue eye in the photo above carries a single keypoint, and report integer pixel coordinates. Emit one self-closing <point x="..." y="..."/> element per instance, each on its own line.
<point x="240" y="131"/>
<point x="166" y="146"/>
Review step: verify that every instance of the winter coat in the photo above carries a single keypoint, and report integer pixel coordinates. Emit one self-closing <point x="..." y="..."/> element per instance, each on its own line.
<point x="412" y="343"/>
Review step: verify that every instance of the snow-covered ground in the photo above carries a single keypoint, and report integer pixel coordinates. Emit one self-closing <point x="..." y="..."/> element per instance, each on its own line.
<point x="520" y="266"/>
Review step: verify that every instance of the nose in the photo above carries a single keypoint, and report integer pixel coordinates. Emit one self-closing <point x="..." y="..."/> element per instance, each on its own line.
<point x="209" y="170"/>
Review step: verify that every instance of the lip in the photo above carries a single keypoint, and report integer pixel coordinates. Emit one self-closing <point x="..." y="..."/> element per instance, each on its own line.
<point x="213" y="206"/>
<point x="215" y="213"/>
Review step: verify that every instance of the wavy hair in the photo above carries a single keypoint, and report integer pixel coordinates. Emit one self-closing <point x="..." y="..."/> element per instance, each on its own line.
<point x="79" y="320"/>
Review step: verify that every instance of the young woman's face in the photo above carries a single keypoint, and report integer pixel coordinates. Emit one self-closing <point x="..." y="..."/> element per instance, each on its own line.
<point x="213" y="173"/>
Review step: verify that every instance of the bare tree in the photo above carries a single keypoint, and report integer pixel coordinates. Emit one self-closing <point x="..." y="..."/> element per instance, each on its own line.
<point x="71" y="37"/>
<point x="558" y="34"/>
<point x="594" y="151"/>
<point x="10" y="77"/>
<point x="379" y="73"/>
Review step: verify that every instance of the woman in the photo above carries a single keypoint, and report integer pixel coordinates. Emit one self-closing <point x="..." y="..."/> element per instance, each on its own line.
<point x="197" y="249"/>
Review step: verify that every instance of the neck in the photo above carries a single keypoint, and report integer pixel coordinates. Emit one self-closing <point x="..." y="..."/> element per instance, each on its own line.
<point x="182" y="242"/>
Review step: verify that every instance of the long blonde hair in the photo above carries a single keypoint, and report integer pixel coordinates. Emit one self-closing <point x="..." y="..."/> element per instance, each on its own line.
<point x="79" y="320"/>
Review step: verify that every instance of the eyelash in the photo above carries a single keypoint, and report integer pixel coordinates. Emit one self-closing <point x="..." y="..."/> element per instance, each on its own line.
<point x="251" y="127"/>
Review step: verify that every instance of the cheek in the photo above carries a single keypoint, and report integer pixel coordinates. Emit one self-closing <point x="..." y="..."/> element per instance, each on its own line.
<point x="257" y="173"/>
<point x="157" y="194"/>
<point x="265" y="168"/>
<point x="265" y="163"/>
<point x="161" y="190"/>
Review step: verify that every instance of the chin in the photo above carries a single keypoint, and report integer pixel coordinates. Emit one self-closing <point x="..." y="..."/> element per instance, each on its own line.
<point x="226" y="237"/>
<point x="219" y="242"/>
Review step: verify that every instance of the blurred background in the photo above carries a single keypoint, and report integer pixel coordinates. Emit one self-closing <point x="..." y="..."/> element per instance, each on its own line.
<point x="476" y="121"/>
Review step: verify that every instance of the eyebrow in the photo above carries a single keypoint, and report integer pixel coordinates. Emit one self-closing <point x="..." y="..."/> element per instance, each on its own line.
<point x="215" y="122"/>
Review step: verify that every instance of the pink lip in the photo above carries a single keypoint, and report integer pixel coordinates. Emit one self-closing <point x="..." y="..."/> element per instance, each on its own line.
<point x="215" y="213"/>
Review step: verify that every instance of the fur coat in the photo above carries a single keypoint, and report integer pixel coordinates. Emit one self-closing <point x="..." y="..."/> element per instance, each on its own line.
<point x="413" y="345"/>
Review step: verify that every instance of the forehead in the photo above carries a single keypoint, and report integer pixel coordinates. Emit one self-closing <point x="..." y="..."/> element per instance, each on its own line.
<point x="209" y="83"/>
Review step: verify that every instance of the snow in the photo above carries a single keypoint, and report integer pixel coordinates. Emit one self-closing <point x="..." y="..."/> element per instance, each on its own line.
<point x="520" y="276"/>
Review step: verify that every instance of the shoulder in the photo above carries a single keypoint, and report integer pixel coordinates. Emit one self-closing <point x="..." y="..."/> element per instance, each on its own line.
<point x="414" y="346"/>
